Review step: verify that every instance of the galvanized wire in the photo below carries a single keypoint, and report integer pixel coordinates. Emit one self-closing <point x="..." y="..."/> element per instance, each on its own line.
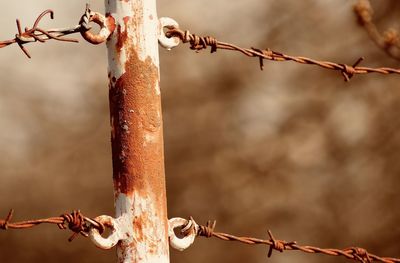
<point x="354" y="253"/>
<point x="198" y="43"/>
<point x="74" y="221"/>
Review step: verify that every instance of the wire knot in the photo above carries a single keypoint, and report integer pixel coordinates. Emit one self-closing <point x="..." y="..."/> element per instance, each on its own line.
<point x="85" y="20"/>
<point x="262" y="54"/>
<point x="360" y="254"/>
<point x="278" y="245"/>
<point x="196" y="42"/>
<point x="4" y="223"/>
<point x="76" y="223"/>
<point x="207" y="230"/>
<point x="349" y="71"/>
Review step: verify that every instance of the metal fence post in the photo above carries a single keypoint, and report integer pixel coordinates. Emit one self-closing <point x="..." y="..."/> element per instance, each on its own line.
<point x="136" y="130"/>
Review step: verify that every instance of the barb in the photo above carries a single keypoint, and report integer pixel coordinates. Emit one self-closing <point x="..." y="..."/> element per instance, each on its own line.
<point x="37" y="34"/>
<point x="198" y="43"/>
<point x="389" y="40"/>
<point x="354" y="253"/>
<point x="74" y="221"/>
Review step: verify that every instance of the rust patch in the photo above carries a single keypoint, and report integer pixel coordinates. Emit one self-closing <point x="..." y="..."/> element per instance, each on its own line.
<point x="122" y="36"/>
<point x="110" y="23"/>
<point x="138" y="160"/>
<point x="138" y="227"/>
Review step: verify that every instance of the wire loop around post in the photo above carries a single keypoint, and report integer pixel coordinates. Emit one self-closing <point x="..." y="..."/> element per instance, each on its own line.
<point x="107" y="26"/>
<point x="112" y="239"/>
<point x="188" y="227"/>
<point x="168" y="42"/>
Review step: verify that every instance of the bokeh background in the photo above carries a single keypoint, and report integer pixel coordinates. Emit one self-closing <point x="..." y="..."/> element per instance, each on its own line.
<point x="292" y="148"/>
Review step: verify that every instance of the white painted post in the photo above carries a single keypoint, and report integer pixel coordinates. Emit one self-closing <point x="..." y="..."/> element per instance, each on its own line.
<point x="137" y="132"/>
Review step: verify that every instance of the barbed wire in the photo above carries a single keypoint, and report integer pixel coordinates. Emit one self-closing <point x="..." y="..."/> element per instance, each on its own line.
<point x="363" y="9"/>
<point x="389" y="40"/>
<point x="74" y="221"/>
<point x="354" y="253"/>
<point x="198" y="43"/>
<point x="38" y="34"/>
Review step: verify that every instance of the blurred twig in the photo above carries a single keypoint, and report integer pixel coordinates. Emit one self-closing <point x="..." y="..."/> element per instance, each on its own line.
<point x="389" y="40"/>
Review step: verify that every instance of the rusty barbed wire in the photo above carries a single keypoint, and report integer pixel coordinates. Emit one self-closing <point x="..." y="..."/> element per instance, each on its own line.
<point x="74" y="221"/>
<point x="389" y="40"/>
<point x="37" y="34"/>
<point x="354" y="253"/>
<point x="198" y="43"/>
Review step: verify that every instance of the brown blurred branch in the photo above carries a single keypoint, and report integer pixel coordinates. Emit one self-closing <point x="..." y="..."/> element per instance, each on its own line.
<point x="389" y="40"/>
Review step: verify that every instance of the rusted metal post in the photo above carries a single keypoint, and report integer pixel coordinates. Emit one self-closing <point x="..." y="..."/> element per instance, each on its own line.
<point x="137" y="131"/>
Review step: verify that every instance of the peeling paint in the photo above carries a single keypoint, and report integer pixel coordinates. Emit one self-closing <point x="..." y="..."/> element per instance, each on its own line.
<point x="142" y="242"/>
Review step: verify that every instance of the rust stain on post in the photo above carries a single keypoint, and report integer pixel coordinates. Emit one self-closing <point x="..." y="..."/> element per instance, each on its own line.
<point x="137" y="146"/>
<point x="137" y="132"/>
<point x="122" y="34"/>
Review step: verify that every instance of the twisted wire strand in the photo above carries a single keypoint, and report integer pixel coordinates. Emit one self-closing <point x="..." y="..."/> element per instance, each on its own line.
<point x="353" y="253"/>
<point x="74" y="221"/>
<point x="389" y="40"/>
<point x="198" y="43"/>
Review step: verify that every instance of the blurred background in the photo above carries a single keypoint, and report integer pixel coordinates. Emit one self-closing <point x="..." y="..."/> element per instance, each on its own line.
<point x="292" y="148"/>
